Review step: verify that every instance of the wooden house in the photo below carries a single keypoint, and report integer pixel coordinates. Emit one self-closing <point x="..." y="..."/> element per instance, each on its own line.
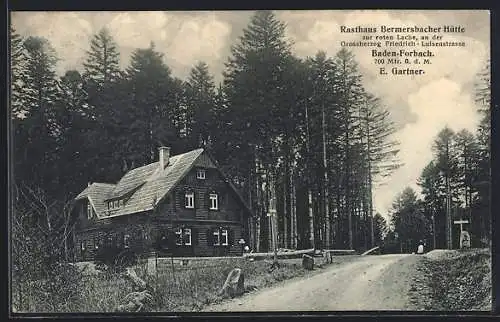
<point x="181" y="205"/>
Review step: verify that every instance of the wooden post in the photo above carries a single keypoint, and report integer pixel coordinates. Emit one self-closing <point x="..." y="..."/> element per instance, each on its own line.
<point x="461" y="222"/>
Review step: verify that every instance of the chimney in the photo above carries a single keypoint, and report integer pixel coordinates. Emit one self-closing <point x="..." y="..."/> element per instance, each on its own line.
<point x="164" y="152"/>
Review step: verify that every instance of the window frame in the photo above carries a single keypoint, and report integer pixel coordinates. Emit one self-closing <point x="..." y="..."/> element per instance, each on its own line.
<point x="180" y="235"/>
<point x="201" y="174"/>
<point x="189" y="195"/>
<point x="225" y="233"/>
<point x="126" y="241"/>
<point x="216" y="232"/>
<point x="90" y="212"/>
<point x="211" y="199"/>
<point x="220" y="237"/>
<point x="190" y="234"/>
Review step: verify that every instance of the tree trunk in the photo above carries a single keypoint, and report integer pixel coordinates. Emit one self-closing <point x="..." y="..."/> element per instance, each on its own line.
<point x="308" y="182"/>
<point x="285" y="209"/>
<point x="433" y="231"/>
<point x="257" y="232"/>
<point x="326" y="214"/>
<point x="293" y="212"/>
<point x="311" y="217"/>
<point x="448" y="199"/>
<point x="258" y="198"/>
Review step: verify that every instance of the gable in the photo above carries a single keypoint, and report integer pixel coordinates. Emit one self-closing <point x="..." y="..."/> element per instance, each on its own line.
<point x="96" y="193"/>
<point x="204" y="161"/>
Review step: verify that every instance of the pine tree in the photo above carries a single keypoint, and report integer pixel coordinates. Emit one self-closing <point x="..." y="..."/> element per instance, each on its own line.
<point x="446" y="162"/>
<point x="102" y="62"/>
<point x="35" y="135"/>
<point x="200" y="92"/>
<point x="467" y="156"/>
<point x="18" y="73"/>
<point x="434" y="191"/>
<point x="324" y="116"/>
<point x="482" y="180"/>
<point x="380" y="229"/>
<point x="351" y="94"/>
<point x="408" y="220"/>
<point x="381" y="149"/>
<point x="151" y="87"/>
<point x="73" y="121"/>
<point x="256" y="94"/>
<point x="107" y="95"/>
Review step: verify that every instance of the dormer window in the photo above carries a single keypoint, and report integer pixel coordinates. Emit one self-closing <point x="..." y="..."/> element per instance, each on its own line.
<point x="115" y="204"/>
<point x="200" y="174"/>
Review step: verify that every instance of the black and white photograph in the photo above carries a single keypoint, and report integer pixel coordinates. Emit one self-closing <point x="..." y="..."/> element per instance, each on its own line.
<point x="249" y="161"/>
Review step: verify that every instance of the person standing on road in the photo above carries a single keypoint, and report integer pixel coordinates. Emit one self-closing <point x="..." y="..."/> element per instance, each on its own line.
<point x="420" y="248"/>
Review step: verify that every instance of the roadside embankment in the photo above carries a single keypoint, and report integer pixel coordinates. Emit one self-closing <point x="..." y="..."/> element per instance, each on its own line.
<point x="453" y="280"/>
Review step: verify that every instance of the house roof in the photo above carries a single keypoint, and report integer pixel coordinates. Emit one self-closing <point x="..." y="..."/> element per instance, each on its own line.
<point x="145" y="186"/>
<point x="97" y="193"/>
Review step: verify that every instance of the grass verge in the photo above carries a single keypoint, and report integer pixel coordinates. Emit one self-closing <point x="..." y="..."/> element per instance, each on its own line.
<point x="184" y="289"/>
<point x="453" y="281"/>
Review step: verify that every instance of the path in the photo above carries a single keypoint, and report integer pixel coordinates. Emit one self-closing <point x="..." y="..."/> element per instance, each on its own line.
<point x="374" y="282"/>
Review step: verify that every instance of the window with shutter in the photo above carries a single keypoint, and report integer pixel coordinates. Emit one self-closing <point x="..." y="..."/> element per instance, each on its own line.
<point x="183" y="236"/>
<point x="178" y="236"/>
<point x="216" y="237"/>
<point x="194" y="236"/>
<point x="210" y="239"/>
<point x="220" y="237"/>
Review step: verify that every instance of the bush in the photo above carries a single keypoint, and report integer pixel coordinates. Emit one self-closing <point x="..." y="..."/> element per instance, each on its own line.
<point x="57" y="291"/>
<point x="107" y="255"/>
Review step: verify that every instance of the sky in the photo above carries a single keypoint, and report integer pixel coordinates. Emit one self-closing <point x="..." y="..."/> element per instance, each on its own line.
<point x="420" y="106"/>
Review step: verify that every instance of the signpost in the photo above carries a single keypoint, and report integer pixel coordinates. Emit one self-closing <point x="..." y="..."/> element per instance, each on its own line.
<point x="464" y="235"/>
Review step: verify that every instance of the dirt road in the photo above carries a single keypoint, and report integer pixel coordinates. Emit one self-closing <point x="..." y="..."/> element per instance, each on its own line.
<point x="377" y="282"/>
